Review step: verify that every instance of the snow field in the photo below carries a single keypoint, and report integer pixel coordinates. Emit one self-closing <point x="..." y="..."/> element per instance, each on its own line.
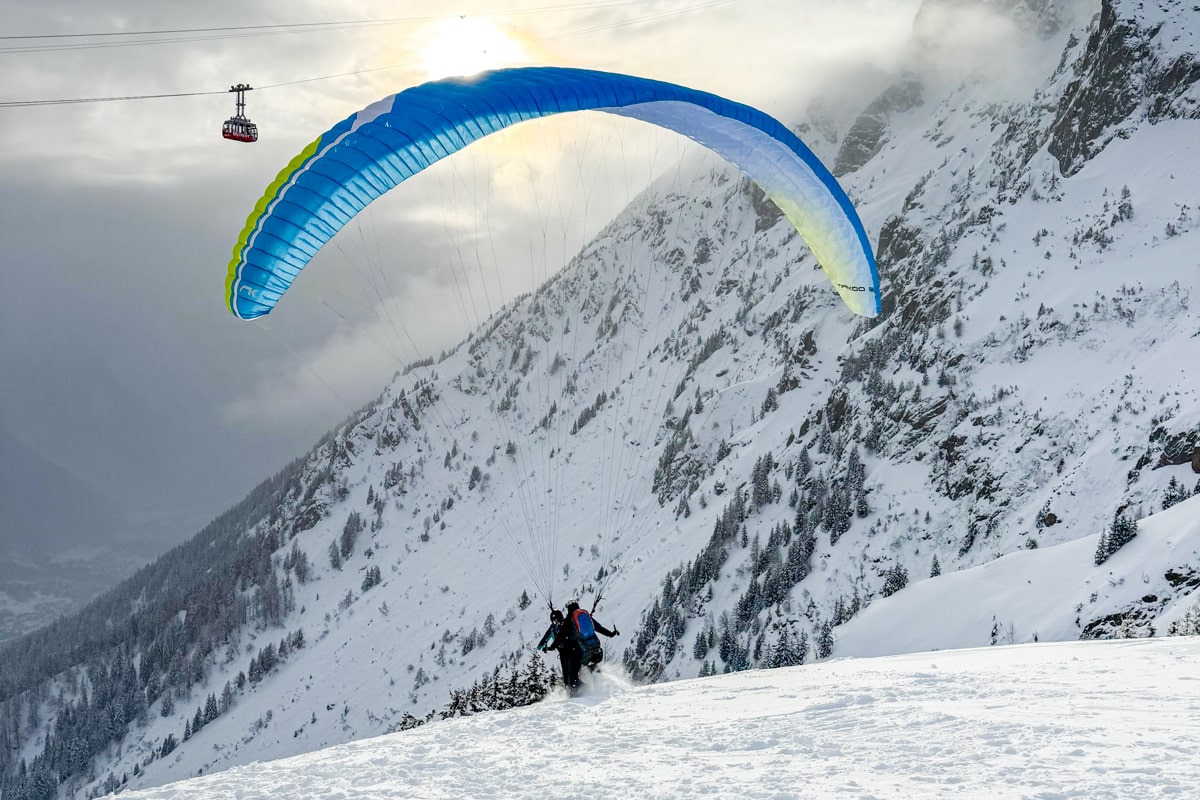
<point x="1096" y="720"/>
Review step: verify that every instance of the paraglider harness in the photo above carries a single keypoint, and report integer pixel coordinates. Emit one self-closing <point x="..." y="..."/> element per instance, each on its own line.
<point x="547" y="642"/>
<point x="585" y="635"/>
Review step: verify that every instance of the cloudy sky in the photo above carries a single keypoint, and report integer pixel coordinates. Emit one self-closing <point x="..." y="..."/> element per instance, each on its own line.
<point x="121" y="369"/>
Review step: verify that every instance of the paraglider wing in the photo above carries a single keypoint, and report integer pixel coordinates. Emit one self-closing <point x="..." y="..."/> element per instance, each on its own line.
<point x="388" y="142"/>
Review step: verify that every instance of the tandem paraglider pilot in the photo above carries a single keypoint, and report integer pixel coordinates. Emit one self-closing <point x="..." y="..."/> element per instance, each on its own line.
<point x="574" y="637"/>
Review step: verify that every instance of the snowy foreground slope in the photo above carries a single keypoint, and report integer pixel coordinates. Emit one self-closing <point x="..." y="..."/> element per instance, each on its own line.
<point x="1083" y="719"/>
<point x="334" y="694"/>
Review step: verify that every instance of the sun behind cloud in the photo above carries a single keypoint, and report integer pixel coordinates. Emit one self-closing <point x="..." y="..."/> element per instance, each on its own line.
<point x="465" y="46"/>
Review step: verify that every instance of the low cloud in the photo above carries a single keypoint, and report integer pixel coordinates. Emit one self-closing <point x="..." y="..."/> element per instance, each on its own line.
<point x="123" y="215"/>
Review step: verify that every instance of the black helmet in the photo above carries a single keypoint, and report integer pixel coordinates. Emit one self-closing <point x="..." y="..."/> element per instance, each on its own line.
<point x="572" y="606"/>
<point x="556" y="615"/>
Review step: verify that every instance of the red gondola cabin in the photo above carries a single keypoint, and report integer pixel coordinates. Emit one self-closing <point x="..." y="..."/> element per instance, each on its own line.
<point x="238" y="127"/>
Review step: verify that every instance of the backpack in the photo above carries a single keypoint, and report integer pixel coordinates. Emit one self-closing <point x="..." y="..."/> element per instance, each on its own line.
<point x="585" y="633"/>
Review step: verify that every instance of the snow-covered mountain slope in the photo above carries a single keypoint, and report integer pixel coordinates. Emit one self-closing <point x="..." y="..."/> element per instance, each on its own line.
<point x="1051" y="593"/>
<point x="686" y="417"/>
<point x="1083" y="719"/>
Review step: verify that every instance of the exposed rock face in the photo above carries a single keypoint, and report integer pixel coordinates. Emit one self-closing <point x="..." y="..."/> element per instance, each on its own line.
<point x="765" y="211"/>
<point x="937" y="42"/>
<point x="1126" y="73"/>
<point x="868" y="134"/>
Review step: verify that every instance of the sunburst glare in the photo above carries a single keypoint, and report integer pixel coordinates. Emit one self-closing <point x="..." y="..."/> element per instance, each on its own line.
<point x="466" y="46"/>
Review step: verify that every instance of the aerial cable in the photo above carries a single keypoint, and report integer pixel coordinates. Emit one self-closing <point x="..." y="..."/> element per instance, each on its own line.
<point x="27" y="103"/>
<point x="566" y="34"/>
<point x="103" y="45"/>
<point x="306" y="27"/>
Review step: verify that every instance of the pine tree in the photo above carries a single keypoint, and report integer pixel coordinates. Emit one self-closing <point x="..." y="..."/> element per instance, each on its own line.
<point x="825" y="640"/>
<point x="1122" y="531"/>
<point x="211" y="711"/>
<point x="761" y="480"/>
<point x="297" y="561"/>
<point x="373" y="578"/>
<point x="354" y="524"/>
<point x="700" y="647"/>
<point x="935" y="569"/>
<point x="800" y="649"/>
<point x="790" y="650"/>
<point x="1102" y="551"/>
<point x="803" y="467"/>
<point x="255" y="671"/>
<point x="1176" y="493"/>
<point x="683" y="509"/>
<point x="781" y="655"/>
<point x="895" y="579"/>
<point x="335" y="555"/>
<point x="1187" y="625"/>
<point x="266" y="659"/>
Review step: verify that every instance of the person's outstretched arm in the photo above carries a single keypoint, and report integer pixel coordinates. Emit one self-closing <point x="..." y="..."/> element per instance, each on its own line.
<point x="601" y="629"/>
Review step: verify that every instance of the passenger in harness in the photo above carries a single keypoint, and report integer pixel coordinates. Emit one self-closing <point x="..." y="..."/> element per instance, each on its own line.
<point x="558" y="637"/>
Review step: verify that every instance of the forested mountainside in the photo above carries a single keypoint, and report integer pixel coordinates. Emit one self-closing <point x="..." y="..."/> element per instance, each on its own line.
<point x="686" y="418"/>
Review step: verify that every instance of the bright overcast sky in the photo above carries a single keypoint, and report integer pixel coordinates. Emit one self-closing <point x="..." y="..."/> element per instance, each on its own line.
<point x="119" y="362"/>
